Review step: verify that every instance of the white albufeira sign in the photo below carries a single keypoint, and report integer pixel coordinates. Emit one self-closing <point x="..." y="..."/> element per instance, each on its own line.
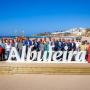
<point x="47" y="57"/>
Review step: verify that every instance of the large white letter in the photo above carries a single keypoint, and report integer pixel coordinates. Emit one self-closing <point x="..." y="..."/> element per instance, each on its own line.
<point x="80" y="57"/>
<point x="71" y="54"/>
<point x="14" y="54"/>
<point x="64" y="59"/>
<point x="57" y="55"/>
<point x="39" y="59"/>
<point x="23" y="53"/>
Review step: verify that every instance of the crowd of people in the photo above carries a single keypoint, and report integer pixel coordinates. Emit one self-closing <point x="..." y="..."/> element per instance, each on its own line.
<point x="41" y="44"/>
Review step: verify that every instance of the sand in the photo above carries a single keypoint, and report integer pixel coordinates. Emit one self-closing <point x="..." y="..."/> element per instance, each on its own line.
<point x="44" y="82"/>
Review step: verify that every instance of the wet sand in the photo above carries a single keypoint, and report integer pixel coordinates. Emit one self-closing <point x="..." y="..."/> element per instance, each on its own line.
<point x="44" y="82"/>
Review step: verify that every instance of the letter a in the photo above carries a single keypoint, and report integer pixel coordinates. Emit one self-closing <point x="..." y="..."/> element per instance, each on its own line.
<point x="14" y="54"/>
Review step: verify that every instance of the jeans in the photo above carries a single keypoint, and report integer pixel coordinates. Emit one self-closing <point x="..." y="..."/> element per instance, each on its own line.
<point x="7" y="54"/>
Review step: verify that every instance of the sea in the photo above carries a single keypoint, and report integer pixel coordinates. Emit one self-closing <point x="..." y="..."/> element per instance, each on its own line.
<point x="25" y="36"/>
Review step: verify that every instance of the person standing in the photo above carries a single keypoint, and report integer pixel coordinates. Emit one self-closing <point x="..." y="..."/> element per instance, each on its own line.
<point x="88" y="56"/>
<point x="2" y="43"/>
<point x="16" y="43"/>
<point x="20" y="45"/>
<point x="56" y="48"/>
<point x="83" y="46"/>
<point x="27" y="42"/>
<point x="78" y="43"/>
<point x="1" y="53"/>
<point x="73" y="45"/>
<point x="46" y="47"/>
<point x="8" y="48"/>
<point x="41" y="47"/>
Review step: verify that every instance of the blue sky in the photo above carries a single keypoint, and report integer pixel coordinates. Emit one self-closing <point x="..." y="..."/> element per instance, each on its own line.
<point x="37" y="16"/>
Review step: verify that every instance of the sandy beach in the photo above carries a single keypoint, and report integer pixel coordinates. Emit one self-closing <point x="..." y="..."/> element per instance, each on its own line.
<point x="44" y="82"/>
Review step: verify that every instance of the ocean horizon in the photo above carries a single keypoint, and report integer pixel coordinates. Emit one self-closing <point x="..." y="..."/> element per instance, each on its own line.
<point x="21" y="36"/>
